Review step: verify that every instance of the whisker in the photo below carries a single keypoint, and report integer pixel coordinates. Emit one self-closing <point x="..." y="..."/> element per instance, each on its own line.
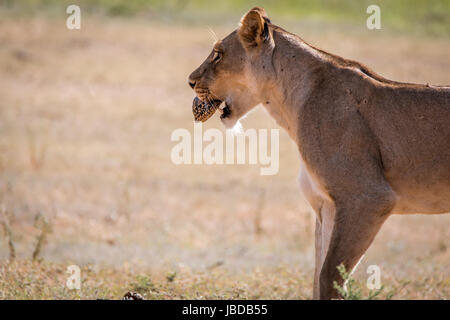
<point x="214" y="95"/>
<point x="213" y="34"/>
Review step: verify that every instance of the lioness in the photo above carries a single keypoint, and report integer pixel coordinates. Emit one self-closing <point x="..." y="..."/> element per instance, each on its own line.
<point x="369" y="147"/>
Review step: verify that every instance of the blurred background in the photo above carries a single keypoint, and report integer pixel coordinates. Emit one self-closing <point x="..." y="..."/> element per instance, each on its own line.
<point x="86" y="177"/>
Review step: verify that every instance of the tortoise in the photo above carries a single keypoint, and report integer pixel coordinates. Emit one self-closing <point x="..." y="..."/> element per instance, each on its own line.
<point x="203" y="110"/>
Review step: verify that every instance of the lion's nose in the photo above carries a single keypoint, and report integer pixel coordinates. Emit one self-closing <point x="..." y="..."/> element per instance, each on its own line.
<point x="191" y="84"/>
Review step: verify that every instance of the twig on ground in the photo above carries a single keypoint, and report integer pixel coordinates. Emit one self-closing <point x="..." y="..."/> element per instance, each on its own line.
<point x="8" y="233"/>
<point x="42" y="237"/>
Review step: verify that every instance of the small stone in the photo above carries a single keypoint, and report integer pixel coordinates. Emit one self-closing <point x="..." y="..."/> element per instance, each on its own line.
<point x="132" y="296"/>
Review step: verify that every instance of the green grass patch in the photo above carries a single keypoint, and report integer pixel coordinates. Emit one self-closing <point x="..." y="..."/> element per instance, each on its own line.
<point x="412" y="16"/>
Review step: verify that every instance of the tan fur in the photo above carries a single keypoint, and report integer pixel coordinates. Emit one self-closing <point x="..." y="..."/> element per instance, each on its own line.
<point x="370" y="147"/>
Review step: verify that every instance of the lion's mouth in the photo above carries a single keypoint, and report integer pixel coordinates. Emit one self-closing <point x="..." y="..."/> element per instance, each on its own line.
<point x="226" y="111"/>
<point x="203" y="110"/>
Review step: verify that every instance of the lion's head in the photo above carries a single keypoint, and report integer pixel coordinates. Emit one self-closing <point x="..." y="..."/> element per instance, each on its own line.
<point x="230" y="72"/>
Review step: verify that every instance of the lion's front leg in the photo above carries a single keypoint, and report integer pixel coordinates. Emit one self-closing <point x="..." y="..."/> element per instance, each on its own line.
<point x="356" y="225"/>
<point x="324" y="228"/>
<point x="318" y="266"/>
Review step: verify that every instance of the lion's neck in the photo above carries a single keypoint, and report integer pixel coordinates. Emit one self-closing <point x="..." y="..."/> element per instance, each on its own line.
<point x="295" y="77"/>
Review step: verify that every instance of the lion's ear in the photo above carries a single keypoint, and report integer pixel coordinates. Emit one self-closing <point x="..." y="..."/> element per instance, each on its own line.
<point x="253" y="30"/>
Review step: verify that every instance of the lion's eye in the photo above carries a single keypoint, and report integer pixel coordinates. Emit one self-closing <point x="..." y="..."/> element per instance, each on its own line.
<point x="217" y="56"/>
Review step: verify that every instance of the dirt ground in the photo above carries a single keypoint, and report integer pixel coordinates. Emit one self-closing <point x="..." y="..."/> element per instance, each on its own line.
<point x="85" y="124"/>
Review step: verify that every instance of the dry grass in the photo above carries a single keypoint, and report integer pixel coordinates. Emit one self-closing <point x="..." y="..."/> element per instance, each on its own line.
<point x="28" y="280"/>
<point x="85" y="124"/>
